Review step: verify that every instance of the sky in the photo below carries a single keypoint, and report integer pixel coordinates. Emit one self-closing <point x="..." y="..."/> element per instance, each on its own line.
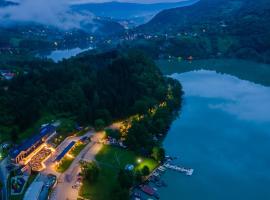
<point x="237" y="97"/>
<point x="133" y="1"/>
<point x="100" y="1"/>
<point x="47" y="12"/>
<point x="53" y="12"/>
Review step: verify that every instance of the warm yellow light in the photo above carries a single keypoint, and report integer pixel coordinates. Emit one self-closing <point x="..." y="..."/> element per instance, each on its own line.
<point x="69" y="155"/>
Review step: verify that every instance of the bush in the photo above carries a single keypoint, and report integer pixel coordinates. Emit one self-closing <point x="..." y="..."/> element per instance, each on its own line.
<point x="113" y="133"/>
<point x="120" y="194"/>
<point x="145" y="171"/>
<point x="99" y="124"/>
<point x="158" y="154"/>
<point x="125" y="179"/>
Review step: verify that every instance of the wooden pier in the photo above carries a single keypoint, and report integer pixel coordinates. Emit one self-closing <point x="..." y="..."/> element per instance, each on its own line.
<point x="188" y="172"/>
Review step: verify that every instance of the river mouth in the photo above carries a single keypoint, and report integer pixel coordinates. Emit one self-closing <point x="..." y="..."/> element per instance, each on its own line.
<point x="224" y="134"/>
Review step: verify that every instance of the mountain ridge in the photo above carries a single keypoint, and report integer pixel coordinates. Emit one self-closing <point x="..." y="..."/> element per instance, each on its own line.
<point x="213" y="28"/>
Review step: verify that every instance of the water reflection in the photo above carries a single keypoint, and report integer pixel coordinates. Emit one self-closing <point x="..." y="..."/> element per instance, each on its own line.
<point x="59" y="55"/>
<point x="244" y="99"/>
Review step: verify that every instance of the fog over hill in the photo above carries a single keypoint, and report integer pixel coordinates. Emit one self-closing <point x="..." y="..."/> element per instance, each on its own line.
<point x="46" y="12"/>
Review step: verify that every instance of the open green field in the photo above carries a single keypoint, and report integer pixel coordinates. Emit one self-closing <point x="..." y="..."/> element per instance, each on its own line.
<point x="77" y="149"/>
<point x="67" y="161"/>
<point x="64" y="165"/>
<point x="111" y="160"/>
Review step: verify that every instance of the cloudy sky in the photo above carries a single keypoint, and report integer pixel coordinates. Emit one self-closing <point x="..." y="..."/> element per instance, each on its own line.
<point x="137" y="1"/>
<point x="100" y="1"/>
<point x="53" y="12"/>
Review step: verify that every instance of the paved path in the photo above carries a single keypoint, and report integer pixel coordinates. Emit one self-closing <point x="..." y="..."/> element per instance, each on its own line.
<point x="4" y="176"/>
<point x="64" y="190"/>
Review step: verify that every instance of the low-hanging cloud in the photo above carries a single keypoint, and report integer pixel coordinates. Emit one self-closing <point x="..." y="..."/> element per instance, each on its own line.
<point x="47" y="12"/>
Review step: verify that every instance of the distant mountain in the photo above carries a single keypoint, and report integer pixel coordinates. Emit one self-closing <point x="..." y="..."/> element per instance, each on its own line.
<point x="103" y="27"/>
<point x="128" y="11"/>
<point x="211" y="28"/>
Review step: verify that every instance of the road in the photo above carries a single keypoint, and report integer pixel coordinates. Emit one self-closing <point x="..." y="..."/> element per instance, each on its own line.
<point x="4" y="176"/>
<point x="64" y="190"/>
<point x="50" y="162"/>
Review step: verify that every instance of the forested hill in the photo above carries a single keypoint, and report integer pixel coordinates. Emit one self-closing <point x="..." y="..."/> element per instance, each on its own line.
<point x="91" y="86"/>
<point x="239" y="28"/>
<point x="122" y="10"/>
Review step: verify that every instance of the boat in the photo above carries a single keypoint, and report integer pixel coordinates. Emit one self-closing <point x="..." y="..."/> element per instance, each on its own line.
<point x="148" y="190"/>
<point x="158" y="184"/>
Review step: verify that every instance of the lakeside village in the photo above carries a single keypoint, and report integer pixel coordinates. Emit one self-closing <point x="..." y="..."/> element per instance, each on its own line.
<point x="33" y="169"/>
<point x="85" y="163"/>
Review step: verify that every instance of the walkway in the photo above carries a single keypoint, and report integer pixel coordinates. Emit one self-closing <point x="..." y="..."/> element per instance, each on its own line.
<point x="64" y="188"/>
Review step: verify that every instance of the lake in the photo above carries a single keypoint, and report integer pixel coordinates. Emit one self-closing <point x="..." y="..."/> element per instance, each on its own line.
<point x="224" y="134"/>
<point x="243" y="69"/>
<point x="59" y="55"/>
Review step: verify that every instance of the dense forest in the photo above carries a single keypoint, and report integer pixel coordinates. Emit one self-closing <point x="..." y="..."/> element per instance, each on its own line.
<point x="88" y="87"/>
<point x="211" y="28"/>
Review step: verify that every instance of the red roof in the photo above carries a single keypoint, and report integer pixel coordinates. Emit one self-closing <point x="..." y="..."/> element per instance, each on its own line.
<point x="148" y="190"/>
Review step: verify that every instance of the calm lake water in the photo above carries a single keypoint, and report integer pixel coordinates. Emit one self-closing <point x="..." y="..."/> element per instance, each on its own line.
<point x="59" y="55"/>
<point x="224" y="134"/>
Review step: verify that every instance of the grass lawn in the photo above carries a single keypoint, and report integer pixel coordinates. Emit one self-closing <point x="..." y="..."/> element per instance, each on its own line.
<point x="111" y="160"/>
<point x="77" y="149"/>
<point x="3" y="154"/>
<point x="64" y="165"/>
<point x="67" y="161"/>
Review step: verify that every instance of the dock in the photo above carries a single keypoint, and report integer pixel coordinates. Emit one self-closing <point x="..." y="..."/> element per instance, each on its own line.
<point x="188" y="172"/>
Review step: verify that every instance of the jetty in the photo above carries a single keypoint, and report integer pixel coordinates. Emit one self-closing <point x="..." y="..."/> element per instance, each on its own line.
<point x="162" y="169"/>
<point x="188" y="172"/>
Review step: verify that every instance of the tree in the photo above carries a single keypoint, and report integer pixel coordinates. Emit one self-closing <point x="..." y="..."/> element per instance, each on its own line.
<point x="14" y="136"/>
<point x="145" y="171"/>
<point x="99" y="124"/>
<point x="158" y="153"/>
<point x="120" y="194"/>
<point x="91" y="172"/>
<point x="114" y="133"/>
<point x="125" y="179"/>
<point x="105" y="115"/>
<point x="140" y="107"/>
<point x="138" y="176"/>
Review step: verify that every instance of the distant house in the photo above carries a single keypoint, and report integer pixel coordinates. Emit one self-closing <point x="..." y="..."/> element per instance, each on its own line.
<point x="25" y="149"/>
